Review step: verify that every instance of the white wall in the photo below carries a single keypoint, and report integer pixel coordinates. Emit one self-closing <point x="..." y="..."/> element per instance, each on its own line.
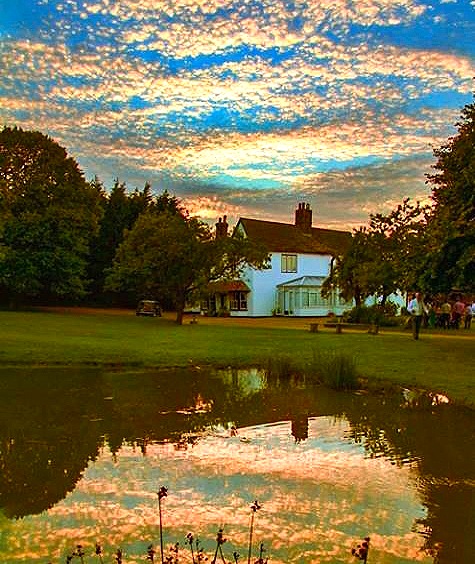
<point x="399" y="298"/>
<point x="261" y="300"/>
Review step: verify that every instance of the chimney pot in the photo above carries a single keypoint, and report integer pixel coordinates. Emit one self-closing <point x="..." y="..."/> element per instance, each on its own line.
<point x="221" y="228"/>
<point x="303" y="217"/>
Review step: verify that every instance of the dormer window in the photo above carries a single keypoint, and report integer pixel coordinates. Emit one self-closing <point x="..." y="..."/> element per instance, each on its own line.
<point x="289" y="263"/>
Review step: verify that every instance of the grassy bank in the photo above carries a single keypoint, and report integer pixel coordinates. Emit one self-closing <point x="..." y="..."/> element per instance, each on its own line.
<point x="441" y="362"/>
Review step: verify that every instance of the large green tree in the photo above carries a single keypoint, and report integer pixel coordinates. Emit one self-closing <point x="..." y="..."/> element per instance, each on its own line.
<point x="383" y="257"/>
<point x="450" y="251"/>
<point x="396" y="245"/>
<point x="48" y="215"/>
<point x="348" y="271"/>
<point x="121" y="208"/>
<point x="170" y="256"/>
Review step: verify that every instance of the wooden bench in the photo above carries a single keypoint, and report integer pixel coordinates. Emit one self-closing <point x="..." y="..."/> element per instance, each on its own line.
<point x="370" y="328"/>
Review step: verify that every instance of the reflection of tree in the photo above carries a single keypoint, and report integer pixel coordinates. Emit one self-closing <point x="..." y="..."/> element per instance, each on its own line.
<point x="175" y="404"/>
<point x="439" y="440"/>
<point x="159" y="406"/>
<point x="46" y="436"/>
<point x="450" y="521"/>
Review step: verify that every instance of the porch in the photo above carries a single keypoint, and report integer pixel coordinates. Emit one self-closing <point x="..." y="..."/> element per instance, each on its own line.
<point x="226" y="298"/>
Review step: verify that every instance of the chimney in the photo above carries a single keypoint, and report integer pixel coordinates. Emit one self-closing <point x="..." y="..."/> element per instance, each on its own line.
<point x="303" y="217"/>
<point x="221" y="228"/>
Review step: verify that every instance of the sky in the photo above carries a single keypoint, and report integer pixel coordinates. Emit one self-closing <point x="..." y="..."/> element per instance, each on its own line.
<point x="245" y="108"/>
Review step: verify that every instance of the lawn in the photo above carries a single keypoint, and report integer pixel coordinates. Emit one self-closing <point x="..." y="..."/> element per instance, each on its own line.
<point x="442" y="362"/>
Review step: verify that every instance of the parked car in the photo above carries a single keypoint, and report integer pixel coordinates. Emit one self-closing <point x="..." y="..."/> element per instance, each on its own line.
<point x="149" y="308"/>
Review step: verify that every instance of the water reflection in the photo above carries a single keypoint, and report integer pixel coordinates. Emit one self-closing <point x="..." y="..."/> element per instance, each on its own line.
<point x="82" y="454"/>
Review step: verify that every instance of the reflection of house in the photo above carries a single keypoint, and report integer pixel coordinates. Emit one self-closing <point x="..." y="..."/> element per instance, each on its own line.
<point x="301" y="257"/>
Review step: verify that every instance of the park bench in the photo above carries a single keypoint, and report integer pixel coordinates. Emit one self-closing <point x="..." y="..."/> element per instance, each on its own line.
<point x="371" y="328"/>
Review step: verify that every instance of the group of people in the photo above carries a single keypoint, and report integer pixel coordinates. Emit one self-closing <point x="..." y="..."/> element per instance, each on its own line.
<point x="446" y="314"/>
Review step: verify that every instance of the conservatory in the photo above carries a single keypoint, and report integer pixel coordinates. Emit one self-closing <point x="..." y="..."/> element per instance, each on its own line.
<point x="302" y="297"/>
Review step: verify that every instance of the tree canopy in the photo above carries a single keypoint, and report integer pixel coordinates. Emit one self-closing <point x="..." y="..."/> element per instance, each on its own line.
<point x="121" y="208"/>
<point x="168" y="255"/>
<point x="431" y="248"/>
<point x="383" y="257"/>
<point x="48" y="215"/>
<point x="450" y="241"/>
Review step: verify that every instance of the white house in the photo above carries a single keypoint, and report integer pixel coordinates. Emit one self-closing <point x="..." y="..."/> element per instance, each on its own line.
<point x="301" y="257"/>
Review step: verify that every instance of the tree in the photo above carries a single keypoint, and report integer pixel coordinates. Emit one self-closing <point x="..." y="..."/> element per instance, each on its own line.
<point x="120" y="211"/>
<point x="171" y="256"/>
<point x="450" y="253"/>
<point x="48" y="215"/>
<point x="383" y="257"/>
<point x="347" y="273"/>
<point x="397" y="241"/>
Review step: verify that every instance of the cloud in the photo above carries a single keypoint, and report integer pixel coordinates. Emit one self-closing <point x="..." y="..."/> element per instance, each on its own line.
<point x="233" y="98"/>
<point x="189" y="28"/>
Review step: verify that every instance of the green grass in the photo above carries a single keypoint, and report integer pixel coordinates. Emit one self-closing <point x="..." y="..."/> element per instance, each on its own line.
<point x="440" y="362"/>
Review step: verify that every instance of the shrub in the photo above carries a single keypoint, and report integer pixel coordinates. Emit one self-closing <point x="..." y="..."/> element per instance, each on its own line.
<point x="385" y="316"/>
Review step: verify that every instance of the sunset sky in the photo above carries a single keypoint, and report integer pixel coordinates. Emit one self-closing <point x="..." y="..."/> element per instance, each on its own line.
<point x="244" y="107"/>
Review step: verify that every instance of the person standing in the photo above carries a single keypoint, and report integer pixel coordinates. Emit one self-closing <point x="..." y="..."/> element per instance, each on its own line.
<point x="417" y="309"/>
<point x="445" y="310"/>
<point x="458" y="310"/>
<point x="467" y="320"/>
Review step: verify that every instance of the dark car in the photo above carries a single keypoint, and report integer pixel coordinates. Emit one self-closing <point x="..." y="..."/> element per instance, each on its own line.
<point x="149" y="308"/>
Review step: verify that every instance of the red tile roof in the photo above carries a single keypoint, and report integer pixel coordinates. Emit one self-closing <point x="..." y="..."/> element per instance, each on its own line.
<point x="225" y="286"/>
<point x="285" y="237"/>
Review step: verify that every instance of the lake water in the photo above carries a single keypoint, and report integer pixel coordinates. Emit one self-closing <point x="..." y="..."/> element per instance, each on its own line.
<point x="84" y="452"/>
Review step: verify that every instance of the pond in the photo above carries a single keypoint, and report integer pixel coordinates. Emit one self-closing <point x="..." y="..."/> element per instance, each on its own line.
<point x="83" y="454"/>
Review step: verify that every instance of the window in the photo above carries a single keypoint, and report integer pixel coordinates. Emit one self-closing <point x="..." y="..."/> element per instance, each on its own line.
<point x="313" y="298"/>
<point x="289" y="263"/>
<point x="238" y="301"/>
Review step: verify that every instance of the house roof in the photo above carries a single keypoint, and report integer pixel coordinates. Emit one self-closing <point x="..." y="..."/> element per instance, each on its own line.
<point x="303" y="281"/>
<point x="225" y="286"/>
<point x="285" y="237"/>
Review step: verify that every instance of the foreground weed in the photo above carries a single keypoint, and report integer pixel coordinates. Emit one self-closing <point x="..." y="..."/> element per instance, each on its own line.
<point x="220" y="540"/>
<point x="254" y="508"/>
<point x="361" y="551"/>
<point x="162" y="492"/>
<point x="197" y="554"/>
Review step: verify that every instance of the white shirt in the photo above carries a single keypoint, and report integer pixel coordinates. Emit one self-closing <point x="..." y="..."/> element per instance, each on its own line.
<point x="416" y="307"/>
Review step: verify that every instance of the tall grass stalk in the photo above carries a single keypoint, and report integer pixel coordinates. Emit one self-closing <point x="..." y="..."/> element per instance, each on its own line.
<point x="335" y="369"/>
<point x="162" y="492"/>
<point x="281" y="367"/>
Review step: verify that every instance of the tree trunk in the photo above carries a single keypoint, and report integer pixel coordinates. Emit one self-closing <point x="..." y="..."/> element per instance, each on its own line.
<point x="180" y="307"/>
<point x="179" y="316"/>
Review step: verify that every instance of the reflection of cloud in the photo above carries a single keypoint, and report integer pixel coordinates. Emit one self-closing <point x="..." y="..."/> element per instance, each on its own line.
<point x="341" y="495"/>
